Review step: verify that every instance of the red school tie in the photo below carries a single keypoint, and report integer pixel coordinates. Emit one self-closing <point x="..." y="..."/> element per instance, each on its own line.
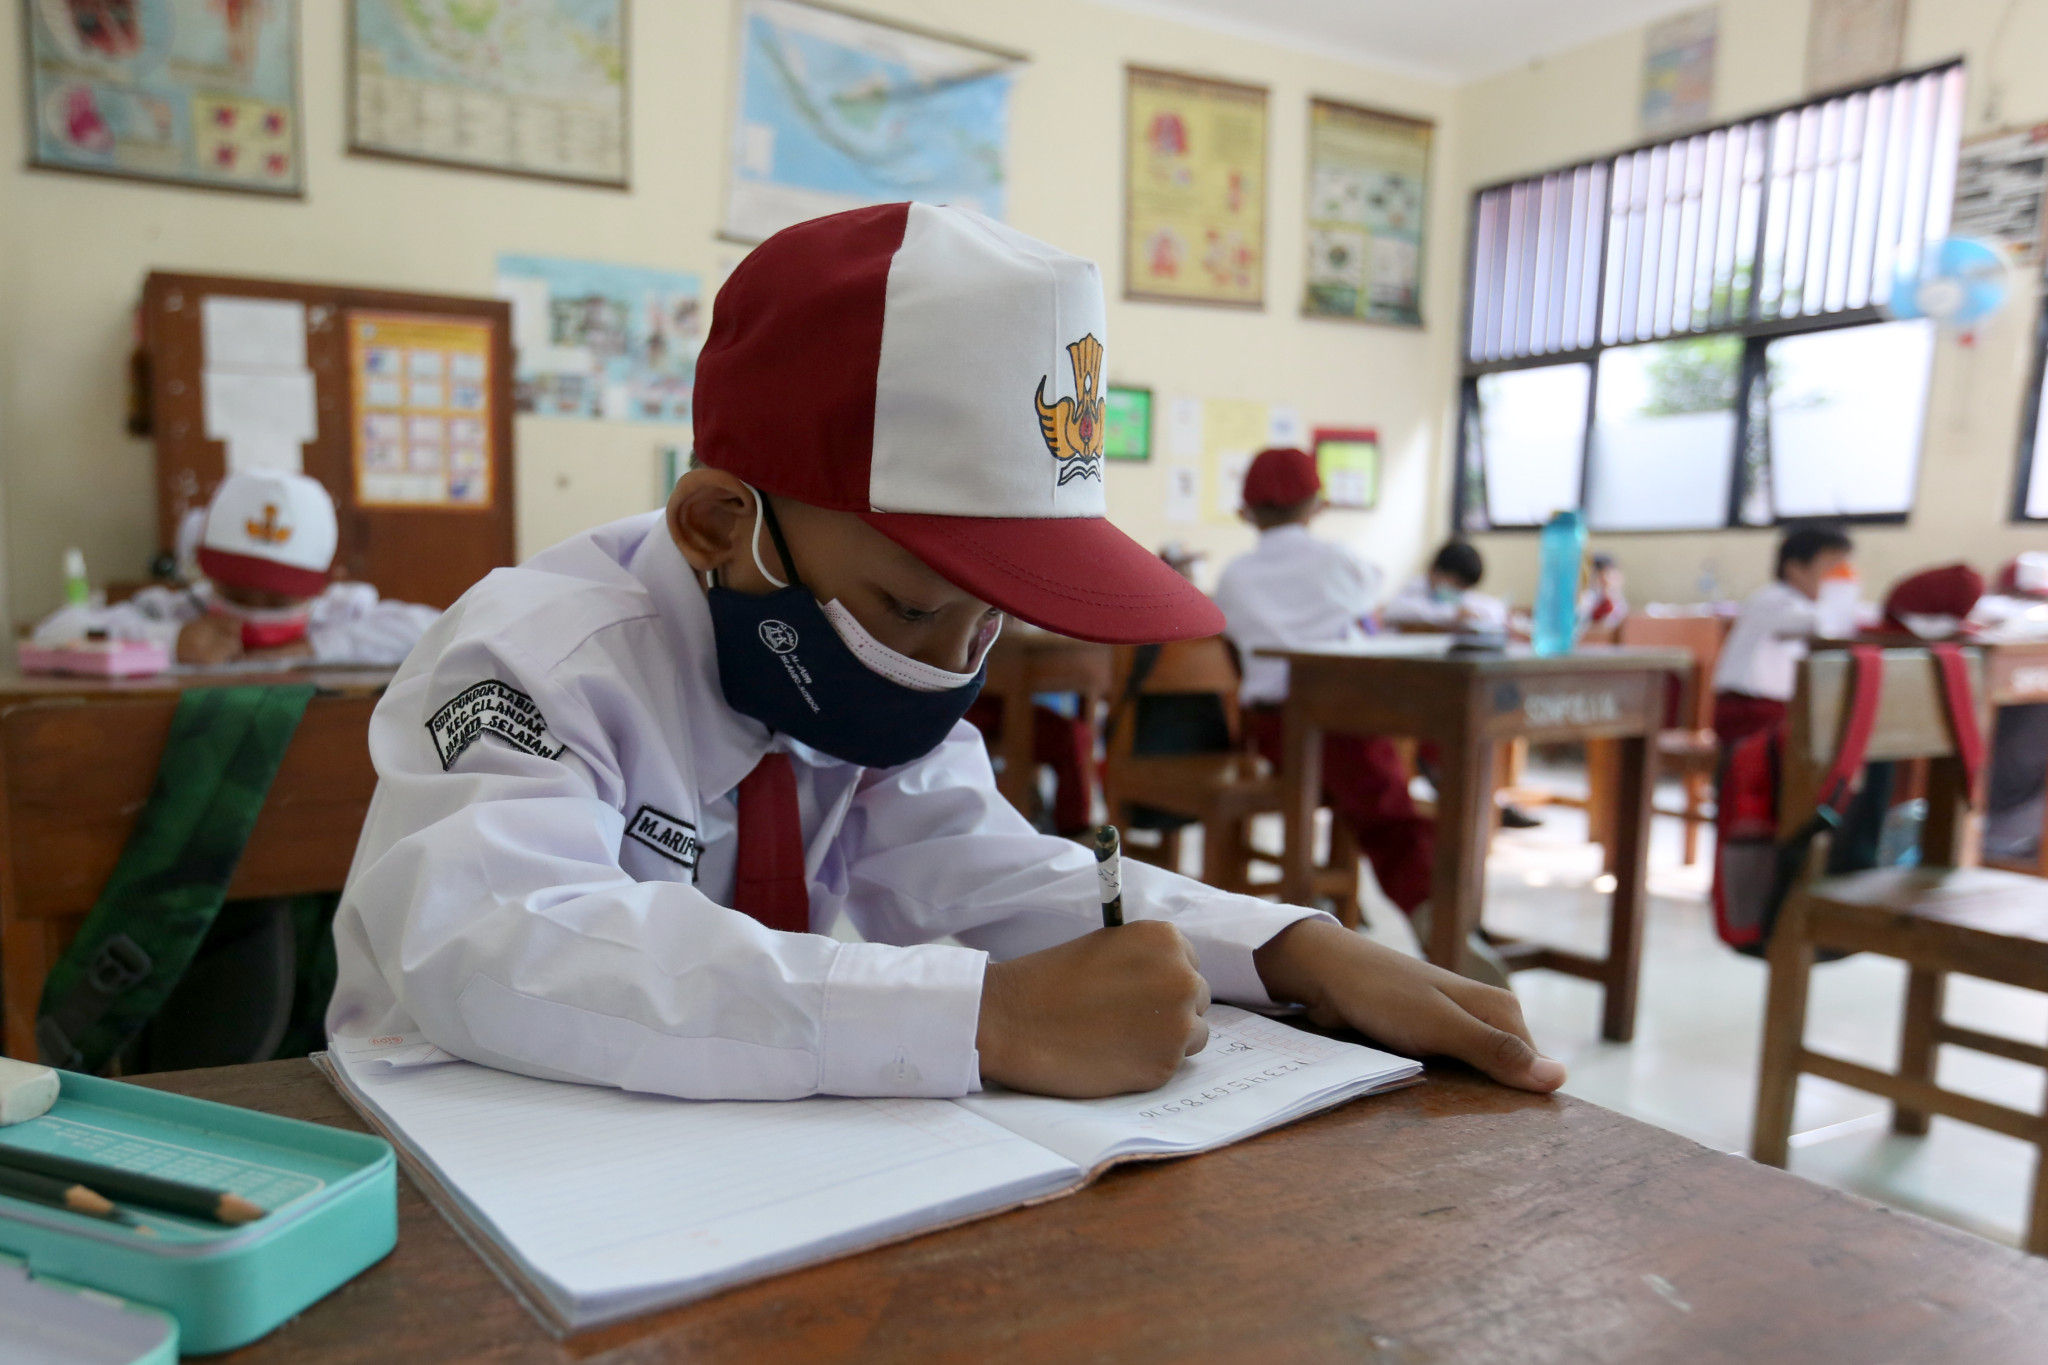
<point x="770" y="884"/>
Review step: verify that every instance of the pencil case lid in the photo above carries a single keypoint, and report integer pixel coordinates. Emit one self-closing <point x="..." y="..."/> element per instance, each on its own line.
<point x="51" y="1322"/>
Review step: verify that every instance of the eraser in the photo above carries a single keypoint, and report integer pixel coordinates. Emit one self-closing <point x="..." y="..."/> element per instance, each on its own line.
<point x="26" y="1091"/>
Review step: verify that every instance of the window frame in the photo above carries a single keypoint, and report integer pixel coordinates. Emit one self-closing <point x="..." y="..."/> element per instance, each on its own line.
<point x="1755" y="330"/>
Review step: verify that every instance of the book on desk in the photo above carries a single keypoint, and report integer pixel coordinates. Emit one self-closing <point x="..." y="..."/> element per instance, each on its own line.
<point x="596" y="1205"/>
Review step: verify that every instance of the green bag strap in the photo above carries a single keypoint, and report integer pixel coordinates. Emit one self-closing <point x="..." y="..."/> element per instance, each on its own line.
<point x="223" y="752"/>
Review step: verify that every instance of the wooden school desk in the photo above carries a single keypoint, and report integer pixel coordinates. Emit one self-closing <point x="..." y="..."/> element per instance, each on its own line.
<point x="1453" y="1221"/>
<point x="1025" y="660"/>
<point x="78" y="757"/>
<point x="2016" y="674"/>
<point x="1413" y="686"/>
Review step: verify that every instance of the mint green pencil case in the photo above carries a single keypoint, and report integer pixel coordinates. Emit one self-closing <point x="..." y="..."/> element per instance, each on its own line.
<point x="331" y="1201"/>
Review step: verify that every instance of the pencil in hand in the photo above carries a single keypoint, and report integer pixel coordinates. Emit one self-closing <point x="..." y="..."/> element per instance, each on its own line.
<point x="1109" y="871"/>
<point x="172" y="1196"/>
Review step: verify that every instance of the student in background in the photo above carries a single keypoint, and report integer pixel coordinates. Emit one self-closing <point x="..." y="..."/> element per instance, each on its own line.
<point x="626" y="788"/>
<point x="265" y="551"/>
<point x="1759" y="662"/>
<point x="1448" y="596"/>
<point x="1294" y="590"/>
<point x="1603" y="603"/>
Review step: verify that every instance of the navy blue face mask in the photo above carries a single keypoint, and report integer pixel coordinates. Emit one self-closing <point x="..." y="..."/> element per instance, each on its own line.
<point x="811" y="672"/>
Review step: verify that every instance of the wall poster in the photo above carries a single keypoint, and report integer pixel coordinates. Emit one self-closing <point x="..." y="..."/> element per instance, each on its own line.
<point x="420" y="410"/>
<point x="1368" y="195"/>
<point x="1194" y="189"/>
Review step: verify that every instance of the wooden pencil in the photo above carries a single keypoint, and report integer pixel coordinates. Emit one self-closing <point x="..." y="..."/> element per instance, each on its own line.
<point x="56" y="1192"/>
<point x="173" y="1196"/>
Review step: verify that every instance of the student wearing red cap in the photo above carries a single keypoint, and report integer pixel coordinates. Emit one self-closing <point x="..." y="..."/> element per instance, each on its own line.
<point x="627" y="786"/>
<point x="1294" y="590"/>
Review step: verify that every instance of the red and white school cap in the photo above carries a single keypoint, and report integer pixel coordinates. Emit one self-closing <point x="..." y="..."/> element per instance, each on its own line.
<point x="269" y="530"/>
<point x="940" y="375"/>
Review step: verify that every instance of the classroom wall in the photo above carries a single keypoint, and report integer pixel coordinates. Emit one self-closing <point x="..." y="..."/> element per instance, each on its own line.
<point x="74" y="250"/>
<point x="1583" y="102"/>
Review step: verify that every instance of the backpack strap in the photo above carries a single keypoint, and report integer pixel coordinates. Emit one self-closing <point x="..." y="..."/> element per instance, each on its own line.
<point x="1962" y="714"/>
<point x="1143" y="660"/>
<point x="1866" y="689"/>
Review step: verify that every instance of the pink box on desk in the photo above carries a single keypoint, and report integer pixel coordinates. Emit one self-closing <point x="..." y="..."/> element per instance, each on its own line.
<point x="97" y="658"/>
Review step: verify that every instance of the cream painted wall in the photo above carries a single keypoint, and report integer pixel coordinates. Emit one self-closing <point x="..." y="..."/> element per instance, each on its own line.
<point x="1583" y="102"/>
<point x="74" y="250"/>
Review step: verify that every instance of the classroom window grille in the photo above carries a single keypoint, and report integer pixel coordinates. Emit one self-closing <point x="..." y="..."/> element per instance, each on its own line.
<point x="1663" y="286"/>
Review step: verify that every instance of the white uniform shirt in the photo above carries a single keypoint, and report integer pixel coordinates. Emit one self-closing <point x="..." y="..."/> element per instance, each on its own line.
<point x="543" y="877"/>
<point x="1291" y="591"/>
<point x="1416" y="605"/>
<point x="1762" y="652"/>
<point x="348" y="623"/>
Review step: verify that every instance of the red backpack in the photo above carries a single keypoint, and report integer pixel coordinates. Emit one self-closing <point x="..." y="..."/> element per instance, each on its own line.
<point x="1753" y="870"/>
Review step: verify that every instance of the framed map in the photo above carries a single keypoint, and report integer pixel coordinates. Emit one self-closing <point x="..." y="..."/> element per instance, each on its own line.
<point x="525" y="87"/>
<point x="189" y="92"/>
<point x="1368" y="196"/>
<point x="598" y="340"/>
<point x="834" y="111"/>
<point x="1194" y="189"/>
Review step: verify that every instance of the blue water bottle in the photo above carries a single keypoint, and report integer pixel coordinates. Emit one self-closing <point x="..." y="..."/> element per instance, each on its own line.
<point x="1557" y="584"/>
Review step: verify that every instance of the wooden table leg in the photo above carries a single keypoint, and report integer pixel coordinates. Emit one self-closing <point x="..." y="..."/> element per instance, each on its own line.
<point x="1301" y="789"/>
<point x="1464" y="829"/>
<point x="1019" y="779"/>
<point x="1636" y="759"/>
<point x="1603" y="780"/>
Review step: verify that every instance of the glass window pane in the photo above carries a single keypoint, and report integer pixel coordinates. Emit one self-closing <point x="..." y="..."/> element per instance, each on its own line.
<point x="1531" y="431"/>
<point x="1664" y="436"/>
<point x="1846" y="410"/>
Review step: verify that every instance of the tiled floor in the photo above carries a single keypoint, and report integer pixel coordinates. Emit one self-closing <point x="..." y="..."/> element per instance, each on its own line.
<point x="1692" y="1065"/>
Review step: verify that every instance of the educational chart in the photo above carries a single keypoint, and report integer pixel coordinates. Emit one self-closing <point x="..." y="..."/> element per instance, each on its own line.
<point x="193" y="92"/>
<point x="533" y="87"/>
<point x="1368" y="192"/>
<point x="420" y="404"/>
<point x="1194" y="189"/>
<point x="1678" y="72"/>
<point x="836" y="111"/>
<point x="600" y="340"/>
<point x="2000" y="181"/>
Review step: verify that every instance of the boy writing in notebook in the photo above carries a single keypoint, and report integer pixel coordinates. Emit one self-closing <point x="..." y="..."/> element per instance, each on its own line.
<point x="626" y="786"/>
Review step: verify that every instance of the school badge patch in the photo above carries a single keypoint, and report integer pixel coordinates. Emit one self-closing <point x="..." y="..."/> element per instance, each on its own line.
<point x="490" y="708"/>
<point x="674" y="839"/>
<point x="1072" y="427"/>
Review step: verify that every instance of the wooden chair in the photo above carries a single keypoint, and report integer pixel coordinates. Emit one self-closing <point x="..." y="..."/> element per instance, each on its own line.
<point x="1688" y="749"/>
<point x="1220" y="785"/>
<point x="1939" y="917"/>
<point x="73" y="777"/>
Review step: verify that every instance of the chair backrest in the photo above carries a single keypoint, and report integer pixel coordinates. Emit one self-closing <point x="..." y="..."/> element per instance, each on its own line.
<point x="75" y="775"/>
<point x="1185" y="701"/>
<point x="1700" y="636"/>
<point x="1911" y="723"/>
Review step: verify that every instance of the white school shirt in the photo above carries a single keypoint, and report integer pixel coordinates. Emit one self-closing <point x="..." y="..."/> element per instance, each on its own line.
<point x="1291" y="591"/>
<point x="1416" y="605"/>
<point x="348" y="622"/>
<point x="1761" y="655"/>
<point x="543" y="879"/>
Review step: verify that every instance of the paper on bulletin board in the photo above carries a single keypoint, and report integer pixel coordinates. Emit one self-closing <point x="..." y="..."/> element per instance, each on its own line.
<point x="422" y="428"/>
<point x="1183" y="494"/>
<point x="1233" y="430"/>
<point x="1184" y="428"/>
<point x="252" y="334"/>
<point x="1284" y="427"/>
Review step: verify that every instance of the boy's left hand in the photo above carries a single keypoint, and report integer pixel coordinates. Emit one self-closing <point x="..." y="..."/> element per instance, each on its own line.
<point x="1344" y="978"/>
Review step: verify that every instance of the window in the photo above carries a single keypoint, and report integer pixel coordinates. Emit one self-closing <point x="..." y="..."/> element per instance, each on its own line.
<point x="2030" y="500"/>
<point x="1720" y="297"/>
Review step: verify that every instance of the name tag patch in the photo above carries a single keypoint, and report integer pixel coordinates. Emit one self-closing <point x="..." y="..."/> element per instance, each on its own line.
<point x="492" y="708"/>
<point x="673" y="839"/>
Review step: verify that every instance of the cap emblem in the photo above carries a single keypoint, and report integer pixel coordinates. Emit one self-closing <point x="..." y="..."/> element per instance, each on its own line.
<point x="269" y="530"/>
<point x="1073" y="426"/>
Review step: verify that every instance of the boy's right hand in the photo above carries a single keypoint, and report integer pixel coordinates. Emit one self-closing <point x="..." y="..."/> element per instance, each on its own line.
<point x="1108" y="1013"/>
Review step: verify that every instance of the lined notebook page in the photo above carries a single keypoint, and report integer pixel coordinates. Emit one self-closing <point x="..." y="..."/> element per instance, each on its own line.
<point x="1255" y="1074"/>
<point x="619" y="1202"/>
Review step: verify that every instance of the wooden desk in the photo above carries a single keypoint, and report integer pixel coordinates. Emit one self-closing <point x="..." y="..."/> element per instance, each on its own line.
<point x="1469" y="704"/>
<point x="2016" y="674"/>
<point x="1456" y="1221"/>
<point x="86" y="754"/>
<point x="1025" y="660"/>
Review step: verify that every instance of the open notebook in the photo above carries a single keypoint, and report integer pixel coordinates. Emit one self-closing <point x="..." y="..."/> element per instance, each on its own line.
<point x="598" y="1204"/>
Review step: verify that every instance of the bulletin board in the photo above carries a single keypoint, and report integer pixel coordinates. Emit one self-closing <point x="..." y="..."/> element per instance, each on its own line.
<point x="280" y="371"/>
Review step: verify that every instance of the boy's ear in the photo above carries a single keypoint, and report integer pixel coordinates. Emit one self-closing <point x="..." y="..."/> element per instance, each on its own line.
<point x="709" y="514"/>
